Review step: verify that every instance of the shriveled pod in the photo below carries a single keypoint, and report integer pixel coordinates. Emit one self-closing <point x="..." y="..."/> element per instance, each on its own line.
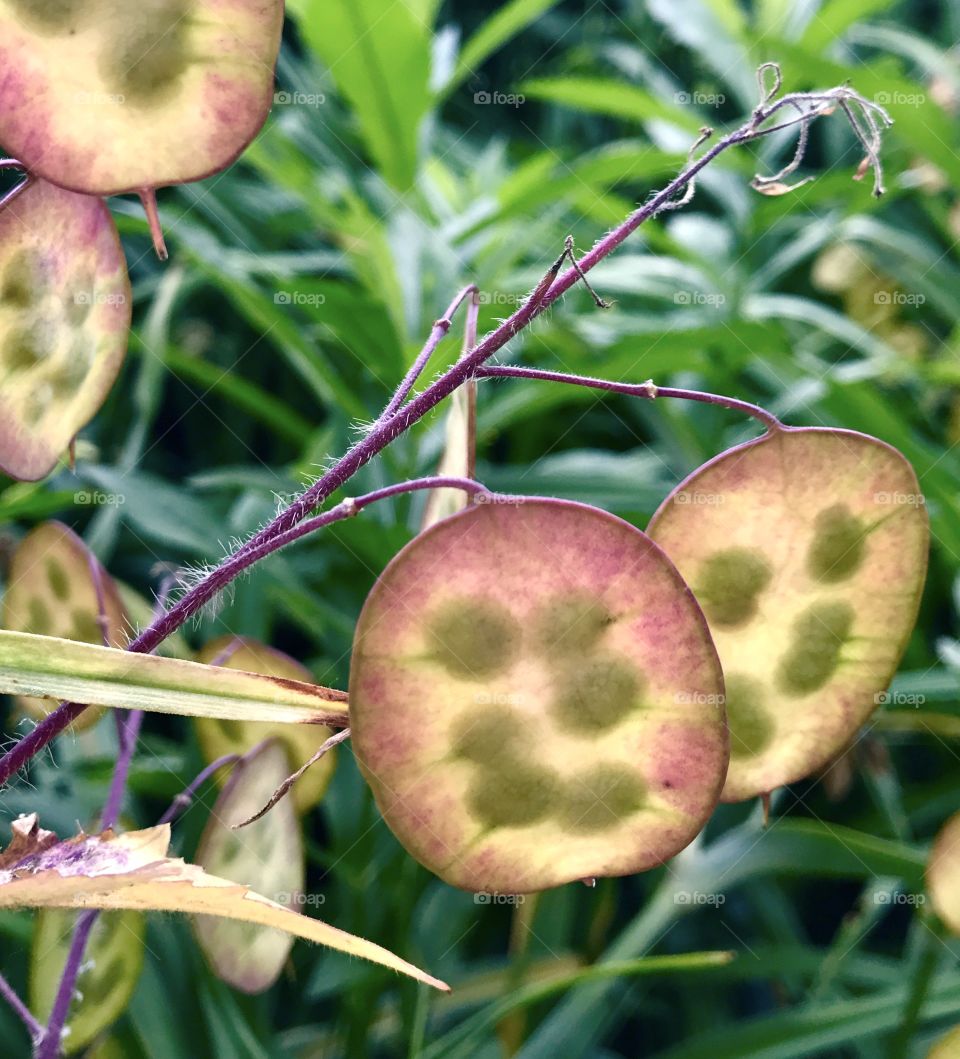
<point x="57" y="587"/>
<point x="219" y="737"/>
<point x="535" y="699"/>
<point x="105" y="96"/>
<point x="807" y="550"/>
<point x="107" y="978"/>
<point x="64" y="318"/>
<point x="267" y="856"/>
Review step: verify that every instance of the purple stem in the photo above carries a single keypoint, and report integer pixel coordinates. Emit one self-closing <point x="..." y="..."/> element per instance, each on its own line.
<point x="643" y="389"/>
<point x="22" y="1011"/>
<point x="389" y="428"/>
<point x="48" y="1044"/>
<point x="186" y="796"/>
<point x="440" y="328"/>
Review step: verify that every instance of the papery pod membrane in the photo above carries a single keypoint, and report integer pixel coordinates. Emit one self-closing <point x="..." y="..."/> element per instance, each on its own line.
<point x="64" y="317"/>
<point x="267" y="856"/>
<point x="108" y="975"/>
<point x="535" y="698"/>
<point x="105" y="96"/>
<point x="56" y="587"/>
<point x="807" y="550"/>
<point x="943" y="874"/>
<point x="219" y="737"/>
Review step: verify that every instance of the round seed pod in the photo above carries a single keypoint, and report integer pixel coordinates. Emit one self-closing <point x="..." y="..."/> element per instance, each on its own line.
<point x="159" y="92"/>
<point x="64" y="318"/>
<point x="943" y="874"/>
<point x="807" y="550"/>
<point x="56" y="587"/>
<point x="219" y="737"/>
<point x="535" y="699"/>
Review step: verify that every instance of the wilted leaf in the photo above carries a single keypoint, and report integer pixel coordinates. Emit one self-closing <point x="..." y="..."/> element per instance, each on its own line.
<point x="57" y="587"/>
<point x="807" y="550"/>
<point x="132" y="870"/>
<point x="535" y="698"/>
<point x="105" y="676"/>
<point x="266" y="856"/>
<point x="64" y="317"/>
<point x="219" y="737"/>
<point x="108" y="975"/>
<point x="458" y="455"/>
<point x="156" y="93"/>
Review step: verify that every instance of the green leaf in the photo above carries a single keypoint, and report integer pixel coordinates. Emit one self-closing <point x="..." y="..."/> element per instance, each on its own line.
<point x="105" y="676"/>
<point x="378" y="52"/>
<point x="501" y="26"/>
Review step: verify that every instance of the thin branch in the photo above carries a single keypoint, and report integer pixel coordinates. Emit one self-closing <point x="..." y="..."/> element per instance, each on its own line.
<point x="644" y="389"/>
<point x="389" y="428"/>
<point x="325" y="747"/>
<point x="49" y="1044"/>
<point x="20" y="1009"/>
<point x="440" y="328"/>
<point x="182" y="801"/>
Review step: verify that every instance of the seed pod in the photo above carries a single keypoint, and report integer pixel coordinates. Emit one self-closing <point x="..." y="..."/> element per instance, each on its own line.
<point x="159" y="92"/>
<point x="219" y="737"/>
<point x="64" y="318"/>
<point x="266" y="855"/>
<point x="57" y="587"/>
<point x="807" y="550"/>
<point x="535" y="699"/>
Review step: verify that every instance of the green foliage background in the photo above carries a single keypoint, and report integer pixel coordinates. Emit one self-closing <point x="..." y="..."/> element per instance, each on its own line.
<point x="302" y="282"/>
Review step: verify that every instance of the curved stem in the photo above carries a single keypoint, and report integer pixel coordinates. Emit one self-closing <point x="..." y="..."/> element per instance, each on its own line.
<point x="440" y="328"/>
<point x="186" y="796"/>
<point x="643" y="389"/>
<point x="388" y="428"/>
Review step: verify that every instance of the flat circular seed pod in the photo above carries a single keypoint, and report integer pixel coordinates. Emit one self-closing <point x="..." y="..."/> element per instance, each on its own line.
<point x="535" y="699"/>
<point x="267" y="856"/>
<point x="219" y="737"/>
<point x="56" y="587"/>
<point x="105" y="96"/>
<point x="64" y="318"/>
<point x="807" y="550"/>
<point x="943" y="874"/>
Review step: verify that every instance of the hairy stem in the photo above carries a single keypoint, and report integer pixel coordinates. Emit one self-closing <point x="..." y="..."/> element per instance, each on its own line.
<point x="643" y="389"/>
<point x="388" y="428"/>
<point x="48" y="1044"/>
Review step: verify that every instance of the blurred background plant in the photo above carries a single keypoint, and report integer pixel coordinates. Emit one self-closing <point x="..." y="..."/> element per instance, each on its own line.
<point x="418" y="146"/>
